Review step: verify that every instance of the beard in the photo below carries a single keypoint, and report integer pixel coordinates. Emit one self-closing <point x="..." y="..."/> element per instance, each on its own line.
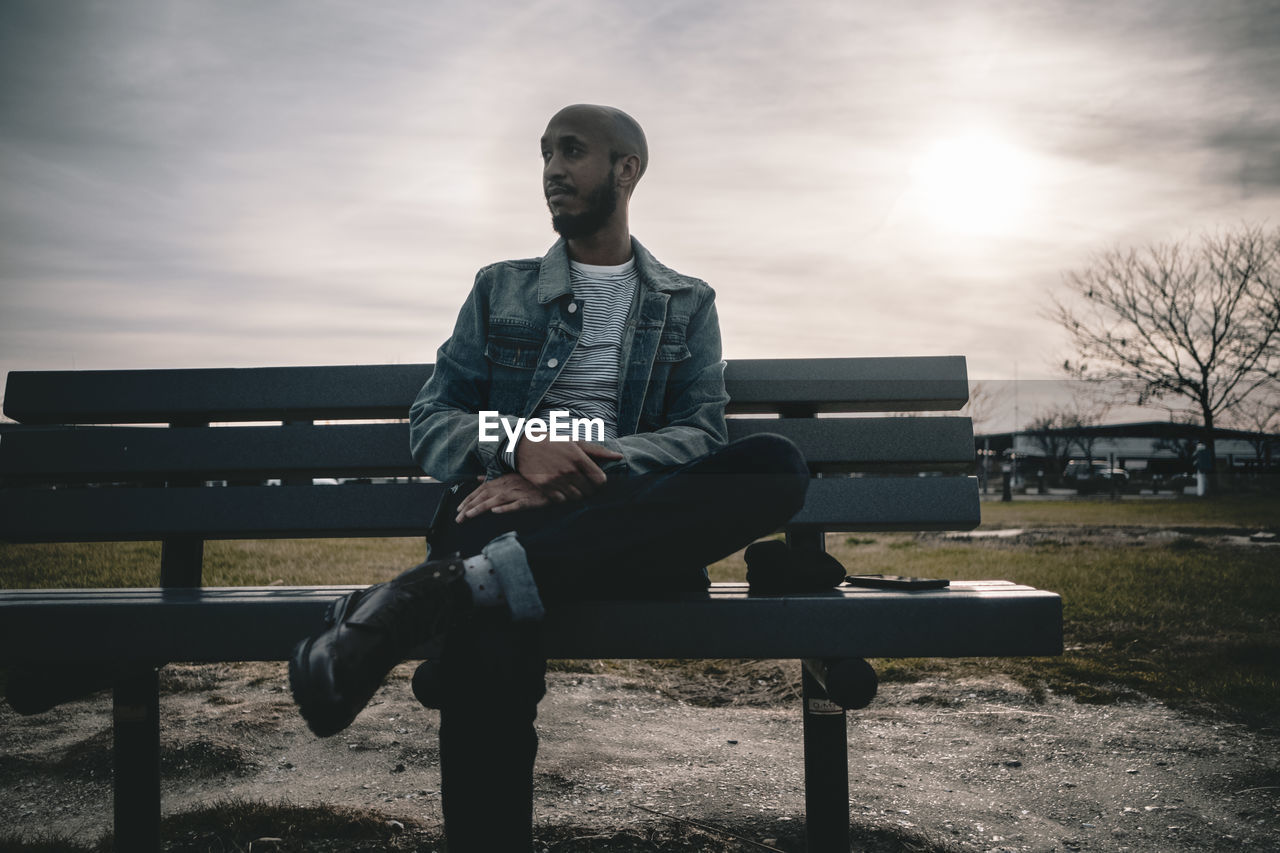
<point x="601" y="203"/>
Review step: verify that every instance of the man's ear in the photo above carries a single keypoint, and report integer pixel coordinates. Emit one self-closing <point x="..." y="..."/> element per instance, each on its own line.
<point x="626" y="171"/>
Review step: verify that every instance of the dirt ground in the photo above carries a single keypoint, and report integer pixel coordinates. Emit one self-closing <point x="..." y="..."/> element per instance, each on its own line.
<point x="977" y="764"/>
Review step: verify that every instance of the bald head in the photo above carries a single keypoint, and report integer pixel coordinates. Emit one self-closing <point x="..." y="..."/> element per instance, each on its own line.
<point x="622" y="131"/>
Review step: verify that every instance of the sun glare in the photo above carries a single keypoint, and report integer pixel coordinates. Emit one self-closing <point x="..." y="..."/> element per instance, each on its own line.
<point x="974" y="184"/>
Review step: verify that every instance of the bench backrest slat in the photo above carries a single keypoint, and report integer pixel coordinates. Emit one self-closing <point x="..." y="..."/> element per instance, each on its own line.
<point x="908" y="472"/>
<point x="354" y="392"/>
<point x="264" y="512"/>
<point x="144" y="454"/>
<point x="913" y="384"/>
<point x="213" y="394"/>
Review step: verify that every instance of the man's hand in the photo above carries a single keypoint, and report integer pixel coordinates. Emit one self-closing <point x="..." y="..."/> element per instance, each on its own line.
<point x="563" y="470"/>
<point x="504" y="494"/>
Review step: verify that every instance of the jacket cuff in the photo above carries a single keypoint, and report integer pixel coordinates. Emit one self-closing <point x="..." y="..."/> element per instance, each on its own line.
<point x="614" y="466"/>
<point x="492" y="453"/>
<point x="508" y="457"/>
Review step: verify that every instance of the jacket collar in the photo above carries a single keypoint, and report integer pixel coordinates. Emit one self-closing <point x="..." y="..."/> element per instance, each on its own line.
<point x="553" y="272"/>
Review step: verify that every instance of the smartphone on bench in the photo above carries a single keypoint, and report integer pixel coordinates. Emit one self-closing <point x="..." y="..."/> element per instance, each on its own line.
<point x="896" y="582"/>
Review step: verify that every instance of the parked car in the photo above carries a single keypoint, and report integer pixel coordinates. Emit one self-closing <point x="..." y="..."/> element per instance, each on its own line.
<point x="1095" y="476"/>
<point x="1176" y="483"/>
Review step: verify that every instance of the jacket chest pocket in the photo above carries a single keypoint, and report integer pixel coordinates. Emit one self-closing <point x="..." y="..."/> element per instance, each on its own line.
<point x="672" y="346"/>
<point x="671" y="351"/>
<point x="513" y="345"/>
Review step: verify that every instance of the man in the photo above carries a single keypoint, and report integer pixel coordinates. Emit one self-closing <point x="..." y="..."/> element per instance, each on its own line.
<point x="1202" y="459"/>
<point x="597" y="328"/>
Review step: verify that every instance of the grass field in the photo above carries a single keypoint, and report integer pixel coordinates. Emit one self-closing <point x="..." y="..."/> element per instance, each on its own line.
<point x="1256" y="511"/>
<point x="1185" y="619"/>
<point x="1186" y="622"/>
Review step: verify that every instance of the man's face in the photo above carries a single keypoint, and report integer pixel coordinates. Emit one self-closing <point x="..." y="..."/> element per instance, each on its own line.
<point x="577" y="175"/>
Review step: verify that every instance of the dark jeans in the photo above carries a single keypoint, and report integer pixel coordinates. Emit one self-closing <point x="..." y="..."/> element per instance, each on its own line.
<point x="649" y="535"/>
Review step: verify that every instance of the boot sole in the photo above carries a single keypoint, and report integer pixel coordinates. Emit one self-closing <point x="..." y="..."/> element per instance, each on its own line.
<point x="325" y="712"/>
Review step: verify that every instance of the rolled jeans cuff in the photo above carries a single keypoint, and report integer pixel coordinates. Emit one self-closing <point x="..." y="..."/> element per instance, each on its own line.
<point x="508" y="560"/>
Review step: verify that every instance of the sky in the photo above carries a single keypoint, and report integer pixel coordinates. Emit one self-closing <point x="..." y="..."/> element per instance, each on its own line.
<point x="233" y="184"/>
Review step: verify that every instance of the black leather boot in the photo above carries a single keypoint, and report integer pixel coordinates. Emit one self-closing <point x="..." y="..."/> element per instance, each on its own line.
<point x="335" y="673"/>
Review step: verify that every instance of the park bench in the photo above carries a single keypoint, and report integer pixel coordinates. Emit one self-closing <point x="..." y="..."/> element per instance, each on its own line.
<point x="144" y="455"/>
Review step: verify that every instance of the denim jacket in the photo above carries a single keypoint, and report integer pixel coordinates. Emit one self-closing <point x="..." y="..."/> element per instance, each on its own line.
<point x="514" y="335"/>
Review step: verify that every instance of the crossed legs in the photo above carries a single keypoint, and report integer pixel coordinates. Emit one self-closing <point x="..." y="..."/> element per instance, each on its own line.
<point x="644" y="535"/>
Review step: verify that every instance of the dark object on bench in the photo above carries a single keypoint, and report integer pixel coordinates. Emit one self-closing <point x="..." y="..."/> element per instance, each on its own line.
<point x="897" y="582"/>
<point x="773" y="568"/>
<point x="152" y="483"/>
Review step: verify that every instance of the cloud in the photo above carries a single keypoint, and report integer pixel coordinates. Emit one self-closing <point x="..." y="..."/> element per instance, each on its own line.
<point x="1248" y="153"/>
<point x="238" y="183"/>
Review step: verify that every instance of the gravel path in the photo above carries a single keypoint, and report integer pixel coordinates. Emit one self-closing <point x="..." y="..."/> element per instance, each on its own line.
<point x="977" y="764"/>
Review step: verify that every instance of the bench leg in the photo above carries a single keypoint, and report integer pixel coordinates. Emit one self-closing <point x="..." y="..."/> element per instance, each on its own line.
<point x="136" y="711"/>
<point x="181" y="561"/>
<point x="826" y="770"/>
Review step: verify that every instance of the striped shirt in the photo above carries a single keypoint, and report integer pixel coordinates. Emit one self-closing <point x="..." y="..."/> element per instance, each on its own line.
<point x="587" y="385"/>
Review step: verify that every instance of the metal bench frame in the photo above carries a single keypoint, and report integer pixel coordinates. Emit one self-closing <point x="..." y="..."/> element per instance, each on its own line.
<point x="82" y="427"/>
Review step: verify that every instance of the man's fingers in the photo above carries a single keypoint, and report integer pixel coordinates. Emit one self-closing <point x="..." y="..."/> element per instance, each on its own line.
<point x="573" y="484"/>
<point x="591" y="471"/>
<point x="526" y="500"/>
<point x="492" y="506"/>
<point x="531" y="499"/>
<point x="479" y="490"/>
<point x="488" y="493"/>
<point x="470" y="500"/>
<point x="599" y="451"/>
<point x="488" y="503"/>
<point x="561" y="483"/>
<point x="586" y="474"/>
<point x="473" y="510"/>
<point x="514" y="503"/>
<point x="505" y="502"/>
<point x="479" y="493"/>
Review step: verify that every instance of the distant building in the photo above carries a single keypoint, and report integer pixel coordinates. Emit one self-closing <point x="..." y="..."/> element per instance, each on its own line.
<point x="1142" y="449"/>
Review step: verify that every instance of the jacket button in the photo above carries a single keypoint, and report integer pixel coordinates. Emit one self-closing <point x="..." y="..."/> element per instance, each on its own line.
<point x="552" y="362"/>
<point x="573" y="306"/>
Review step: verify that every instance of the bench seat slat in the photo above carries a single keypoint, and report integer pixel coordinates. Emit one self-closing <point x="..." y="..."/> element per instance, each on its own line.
<point x="287" y="512"/>
<point x="382" y="450"/>
<point x="262" y="623"/>
<point x="385" y="391"/>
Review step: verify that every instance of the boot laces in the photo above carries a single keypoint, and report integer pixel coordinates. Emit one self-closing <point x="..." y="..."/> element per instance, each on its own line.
<point x="408" y="611"/>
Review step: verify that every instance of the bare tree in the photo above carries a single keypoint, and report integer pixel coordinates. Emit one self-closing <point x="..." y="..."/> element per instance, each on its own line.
<point x="1200" y="321"/>
<point x="1048" y="432"/>
<point x="1058" y="429"/>
<point x="985" y="400"/>
<point x="1184" y="449"/>
<point x="1260" y="415"/>
<point x="1087" y="410"/>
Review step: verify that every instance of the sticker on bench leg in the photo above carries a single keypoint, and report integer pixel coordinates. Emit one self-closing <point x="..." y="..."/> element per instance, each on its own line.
<point x="821" y="706"/>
